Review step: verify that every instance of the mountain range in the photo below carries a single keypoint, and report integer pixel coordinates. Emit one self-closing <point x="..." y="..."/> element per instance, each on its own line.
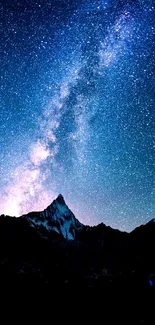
<point x="53" y="249"/>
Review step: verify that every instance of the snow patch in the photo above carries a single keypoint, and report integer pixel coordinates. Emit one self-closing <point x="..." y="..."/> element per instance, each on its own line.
<point x="65" y="230"/>
<point x="40" y="223"/>
<point x="62" y="208"/>
<point x="59" y="218"/>
<point x="55" y="229"/>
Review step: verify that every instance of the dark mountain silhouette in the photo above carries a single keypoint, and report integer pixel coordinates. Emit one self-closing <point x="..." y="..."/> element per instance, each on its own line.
<point x="53" y="250"/>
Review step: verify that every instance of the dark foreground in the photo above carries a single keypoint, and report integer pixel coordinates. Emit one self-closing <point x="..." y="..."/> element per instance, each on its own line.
<point x="86" y="277"/>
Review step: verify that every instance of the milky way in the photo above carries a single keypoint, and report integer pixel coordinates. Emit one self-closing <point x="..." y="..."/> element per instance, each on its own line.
<point x="77" y="109"/>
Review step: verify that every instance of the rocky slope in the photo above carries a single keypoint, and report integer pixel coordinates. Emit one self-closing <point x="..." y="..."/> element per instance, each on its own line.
<point x="56" y="217"/>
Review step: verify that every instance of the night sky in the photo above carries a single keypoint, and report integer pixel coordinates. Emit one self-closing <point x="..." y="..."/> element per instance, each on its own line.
<point x="77" y="112"/>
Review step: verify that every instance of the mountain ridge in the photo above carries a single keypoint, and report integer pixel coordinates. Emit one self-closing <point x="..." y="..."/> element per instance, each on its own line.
<point x="57" y="213"/>
<point x="52" y="248"/>
<point x="56" y="217"/>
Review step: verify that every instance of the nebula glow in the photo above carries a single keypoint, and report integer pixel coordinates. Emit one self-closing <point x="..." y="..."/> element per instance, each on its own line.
<point x="77" y="109"/>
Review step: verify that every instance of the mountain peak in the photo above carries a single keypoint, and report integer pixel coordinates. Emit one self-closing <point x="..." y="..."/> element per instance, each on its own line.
<point x="60" y="199"/>
<point x="56" y="217"/>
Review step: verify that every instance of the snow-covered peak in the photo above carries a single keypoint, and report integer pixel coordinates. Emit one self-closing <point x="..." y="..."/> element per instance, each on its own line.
<point x="58" y="205"/>
<point x="57" y="217"/>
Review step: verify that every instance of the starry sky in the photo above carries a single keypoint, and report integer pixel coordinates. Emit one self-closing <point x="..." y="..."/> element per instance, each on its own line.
<point x="77" y="113"/>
